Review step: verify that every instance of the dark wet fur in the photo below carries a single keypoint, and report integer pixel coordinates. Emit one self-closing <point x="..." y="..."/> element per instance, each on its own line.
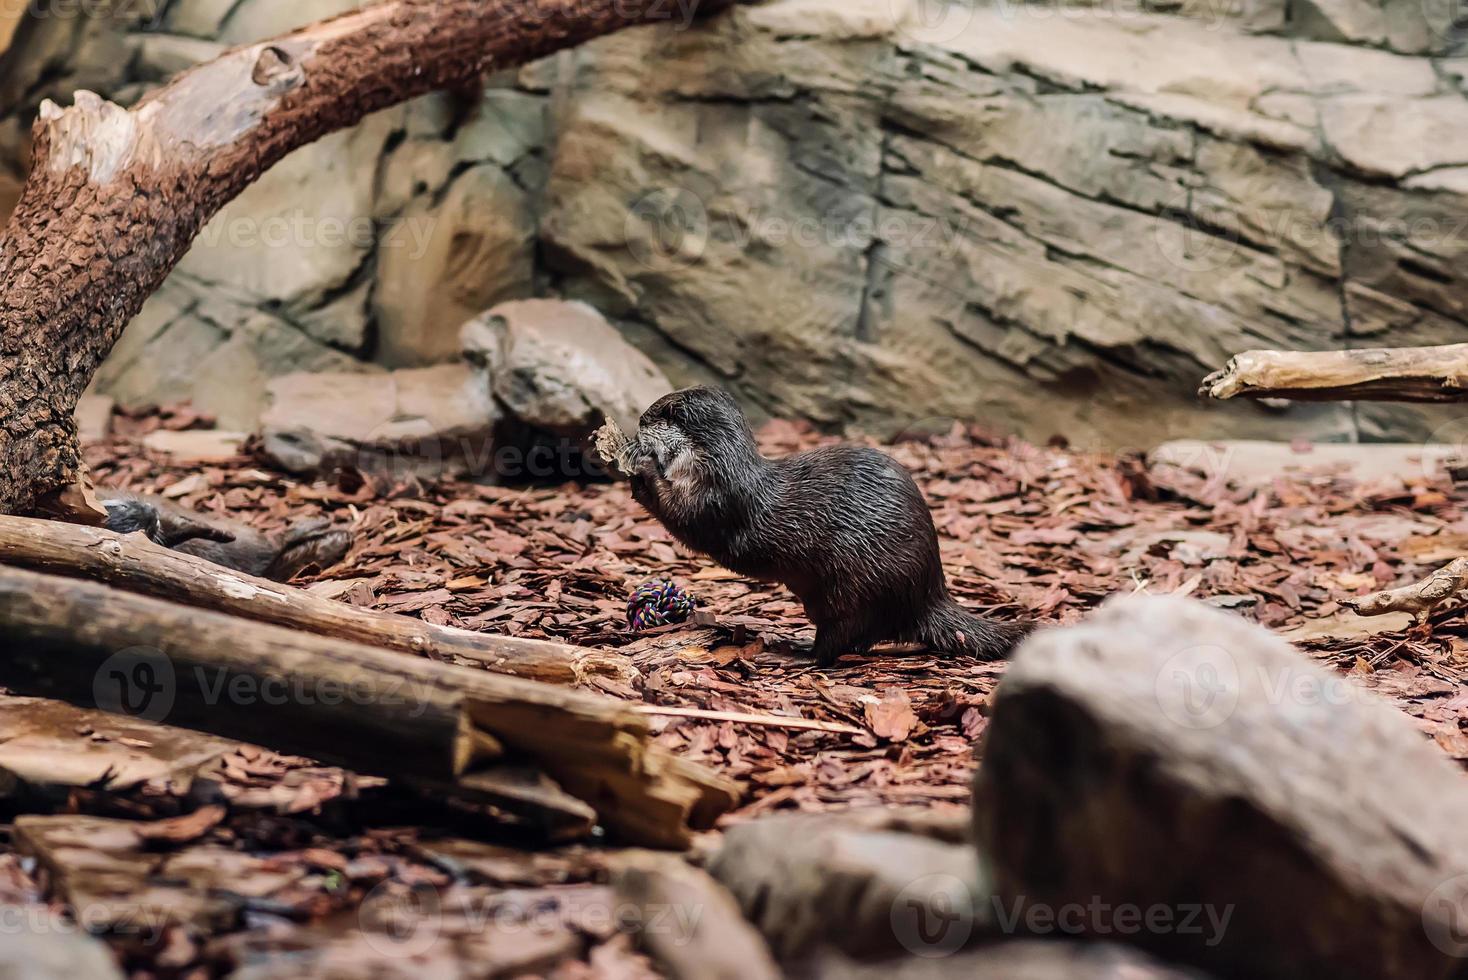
<point x="844" y="527"/>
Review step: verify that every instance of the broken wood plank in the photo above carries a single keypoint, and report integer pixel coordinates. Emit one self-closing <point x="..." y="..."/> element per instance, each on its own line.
<point x="1399" y="374"/>
<point x="49" y="747"/>
<point x="374" y="711"/>
<point x="106" y="870"/>
<point x="134" y="563"/>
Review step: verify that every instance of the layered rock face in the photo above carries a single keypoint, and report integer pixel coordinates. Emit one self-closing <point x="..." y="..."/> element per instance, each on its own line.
<point x="875" y="212"/>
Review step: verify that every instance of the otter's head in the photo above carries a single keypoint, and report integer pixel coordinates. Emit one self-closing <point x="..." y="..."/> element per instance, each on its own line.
<point x="691" y="444"/>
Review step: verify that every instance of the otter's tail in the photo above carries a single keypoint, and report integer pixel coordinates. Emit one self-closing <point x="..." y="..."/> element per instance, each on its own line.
<point x="949" y="628"/>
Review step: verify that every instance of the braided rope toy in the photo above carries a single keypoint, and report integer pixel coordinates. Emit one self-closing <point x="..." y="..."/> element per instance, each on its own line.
<point x="659" y="603"/>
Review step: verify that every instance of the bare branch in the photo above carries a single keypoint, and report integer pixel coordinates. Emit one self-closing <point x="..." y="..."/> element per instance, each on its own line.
<point x="1400" y="374"/>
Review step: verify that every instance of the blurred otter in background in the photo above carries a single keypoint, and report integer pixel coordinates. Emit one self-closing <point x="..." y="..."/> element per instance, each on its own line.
<point x="230" y="543"/>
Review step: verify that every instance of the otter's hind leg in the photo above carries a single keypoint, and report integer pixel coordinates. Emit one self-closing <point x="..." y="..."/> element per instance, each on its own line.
<point x="841" y="636"/>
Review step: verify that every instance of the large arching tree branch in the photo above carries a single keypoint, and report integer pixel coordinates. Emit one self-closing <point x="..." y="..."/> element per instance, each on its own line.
<point x="116" y="196"/>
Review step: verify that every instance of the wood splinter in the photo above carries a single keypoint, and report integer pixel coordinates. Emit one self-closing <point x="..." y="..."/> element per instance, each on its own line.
<point x="1420" y="598"/>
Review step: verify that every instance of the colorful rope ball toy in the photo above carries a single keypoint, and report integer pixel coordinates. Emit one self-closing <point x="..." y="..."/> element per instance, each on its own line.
<point x="659" y="603"/>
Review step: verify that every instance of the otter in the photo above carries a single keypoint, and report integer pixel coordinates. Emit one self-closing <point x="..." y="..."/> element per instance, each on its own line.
<point x="843" y="527"/>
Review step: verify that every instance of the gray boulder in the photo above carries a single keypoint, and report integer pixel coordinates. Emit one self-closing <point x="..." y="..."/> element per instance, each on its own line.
<point x="1254" y="814"/>
<point x="560" y="367"/>
<point x="853" y="884"/>
<point x="424" y="422"/>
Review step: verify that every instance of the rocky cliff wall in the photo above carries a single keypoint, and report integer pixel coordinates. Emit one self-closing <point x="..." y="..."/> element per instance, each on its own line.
<point x="1053" y="218"/>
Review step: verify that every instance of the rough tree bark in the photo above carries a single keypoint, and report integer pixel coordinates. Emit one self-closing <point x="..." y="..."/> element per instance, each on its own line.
<point x="116" y="196"/>
<point x="1401" y="374"/>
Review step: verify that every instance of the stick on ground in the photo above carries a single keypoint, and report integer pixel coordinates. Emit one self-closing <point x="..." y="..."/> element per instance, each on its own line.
<point x="1401" y="374"/>
<point x="1420" y="598"/>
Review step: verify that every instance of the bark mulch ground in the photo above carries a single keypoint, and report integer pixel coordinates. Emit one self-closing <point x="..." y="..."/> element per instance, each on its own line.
<point x="1027" y="531"/>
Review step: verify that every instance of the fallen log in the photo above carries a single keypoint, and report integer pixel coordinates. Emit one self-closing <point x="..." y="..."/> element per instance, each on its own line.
<point x="1398" y="374"/>
<point x="48" y="748"/>
<point x="556" y="759"/>
<point x="134" y="563"/>
<point x="1420" y="598"/>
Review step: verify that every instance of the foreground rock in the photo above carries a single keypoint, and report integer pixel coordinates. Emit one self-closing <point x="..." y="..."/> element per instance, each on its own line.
<point x="861" y="885"/>
<point x="424" y="422"/>
<point x="1031" y="960"/>
<point x="561" y="368"/>
<point x="52" y="948"/>
<point x="693" y="928"/>
<point x="1253" y="813"/>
